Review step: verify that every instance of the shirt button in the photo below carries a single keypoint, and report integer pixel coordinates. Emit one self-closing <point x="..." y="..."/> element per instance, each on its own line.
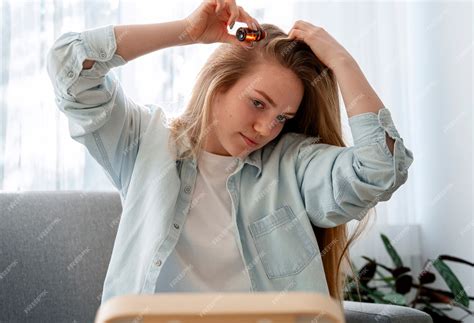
<point x="158" y="262"/>
<point x="102" y="54"/>
<point x="70" y="74"/>
<point x="187" y="189"/>
<point x="176" y="226"/>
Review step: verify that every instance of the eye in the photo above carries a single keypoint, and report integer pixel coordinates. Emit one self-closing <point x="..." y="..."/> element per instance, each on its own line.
<point x="258" y="102"/>
<point x="281" y="118"/>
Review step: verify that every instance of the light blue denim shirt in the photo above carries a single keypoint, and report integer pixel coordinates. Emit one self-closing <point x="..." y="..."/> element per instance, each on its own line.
<point x="276" y="191"/>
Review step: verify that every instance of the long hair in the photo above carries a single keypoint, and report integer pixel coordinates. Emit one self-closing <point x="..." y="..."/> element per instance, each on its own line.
<point x="318" y="115"/>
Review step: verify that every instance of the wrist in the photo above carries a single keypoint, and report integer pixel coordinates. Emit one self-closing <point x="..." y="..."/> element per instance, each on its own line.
<point x="186" y="35"/>
<point x="343" y="63"/>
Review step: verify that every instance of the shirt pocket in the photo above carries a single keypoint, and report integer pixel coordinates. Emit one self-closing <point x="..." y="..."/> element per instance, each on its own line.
<point x="282" y="243"/>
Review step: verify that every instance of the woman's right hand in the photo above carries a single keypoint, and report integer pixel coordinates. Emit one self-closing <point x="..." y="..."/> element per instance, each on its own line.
<point x="208" y="23"/>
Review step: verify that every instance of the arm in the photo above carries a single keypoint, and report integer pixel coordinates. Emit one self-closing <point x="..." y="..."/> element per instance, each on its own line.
<point x="101" y="116"/>
<point x="358" y="95"/>
<point x="206" y="24"/>
<point x="136" y="40"/>
<point x="339" y="184"/>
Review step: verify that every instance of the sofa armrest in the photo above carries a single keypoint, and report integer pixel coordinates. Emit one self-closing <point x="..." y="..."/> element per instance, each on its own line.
<point x="356" y="312"/>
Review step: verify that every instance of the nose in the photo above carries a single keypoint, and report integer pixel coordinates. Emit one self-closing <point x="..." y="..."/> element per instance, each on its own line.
<point x="264" y="126"/>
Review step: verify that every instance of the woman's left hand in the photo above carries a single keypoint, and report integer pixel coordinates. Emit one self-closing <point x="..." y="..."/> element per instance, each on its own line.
<point x="323" y="45"/>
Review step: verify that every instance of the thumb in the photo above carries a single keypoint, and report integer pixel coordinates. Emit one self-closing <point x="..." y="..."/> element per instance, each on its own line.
<point x="230" y="39"/>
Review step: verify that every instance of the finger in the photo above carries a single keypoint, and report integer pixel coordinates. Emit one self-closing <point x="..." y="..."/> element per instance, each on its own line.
<point x="300" y="24"/>
<point x="220" y="5"/>
<point x="296" y="34"/>
<point x="248" y="19"/>
<point x="307" y="24"/>
<point x="290" y="34"/>
<point x="231" y="39"/>
<point x="245" y="17"/>
<point x="304" y="25"/>
<point x="234" y="13"/>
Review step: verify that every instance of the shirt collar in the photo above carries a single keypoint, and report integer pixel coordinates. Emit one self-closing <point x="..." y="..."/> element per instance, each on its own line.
<point x="254" y="159"/>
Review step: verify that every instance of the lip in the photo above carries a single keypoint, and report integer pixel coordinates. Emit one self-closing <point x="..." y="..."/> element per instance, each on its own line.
<point x="249" y="141"/>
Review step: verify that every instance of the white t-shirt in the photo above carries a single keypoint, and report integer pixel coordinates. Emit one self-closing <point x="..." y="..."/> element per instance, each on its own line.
<point x="206" y="257"/>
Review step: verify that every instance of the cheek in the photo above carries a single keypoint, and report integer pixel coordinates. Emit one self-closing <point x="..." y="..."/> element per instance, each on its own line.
<point x="224" y="115"/>
<point x="228" y="121"/>
<point x="238" y="114"/>
<point x="275" y="127"/>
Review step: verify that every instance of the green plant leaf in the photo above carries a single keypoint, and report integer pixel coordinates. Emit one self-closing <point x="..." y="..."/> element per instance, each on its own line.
<point x="368" y="259"/>
<point x="452" y="281"/>
<point x="397" y="261"/>
<point x="387" y="279"/>
<point x="456" y="259"/>
<point x="375" y="295"/>
<point x="395" y="298"/>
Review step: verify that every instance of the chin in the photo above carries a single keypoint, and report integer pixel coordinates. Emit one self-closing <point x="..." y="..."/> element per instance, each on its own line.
<point x="243" y="152"/>
<point x="232" y="151"/>
<point x="238" y="148"/>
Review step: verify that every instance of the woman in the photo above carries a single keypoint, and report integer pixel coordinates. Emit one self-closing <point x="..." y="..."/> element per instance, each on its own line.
<point x="255" y="166"/>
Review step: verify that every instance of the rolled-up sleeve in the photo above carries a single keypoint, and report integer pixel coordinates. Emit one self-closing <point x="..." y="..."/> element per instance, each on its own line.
<point x="339" y="184"/>
<point x="100" y="115"/>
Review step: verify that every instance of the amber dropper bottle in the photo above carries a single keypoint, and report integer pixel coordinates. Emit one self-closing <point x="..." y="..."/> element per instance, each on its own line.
<point x="249" y="35"/>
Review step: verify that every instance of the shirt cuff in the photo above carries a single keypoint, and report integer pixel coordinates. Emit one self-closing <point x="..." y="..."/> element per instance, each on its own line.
<point x="96" y="44"/>
<point x="370" y="127"/>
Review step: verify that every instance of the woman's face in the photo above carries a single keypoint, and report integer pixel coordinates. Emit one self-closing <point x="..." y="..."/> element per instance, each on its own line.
<point x="256" y="107"/>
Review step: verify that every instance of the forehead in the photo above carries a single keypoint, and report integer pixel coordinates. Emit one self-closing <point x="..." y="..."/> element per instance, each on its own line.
<point x="279" y="82"/>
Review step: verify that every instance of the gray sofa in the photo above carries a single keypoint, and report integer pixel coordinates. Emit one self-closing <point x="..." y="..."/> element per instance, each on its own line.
<point x="55" y="247"/>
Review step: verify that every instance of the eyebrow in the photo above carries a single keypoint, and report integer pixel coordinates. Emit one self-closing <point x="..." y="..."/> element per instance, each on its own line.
<point x="269" y="99"/>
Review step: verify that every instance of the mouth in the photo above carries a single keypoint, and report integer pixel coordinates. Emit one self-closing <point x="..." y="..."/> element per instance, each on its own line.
<point x="248" y="141"/>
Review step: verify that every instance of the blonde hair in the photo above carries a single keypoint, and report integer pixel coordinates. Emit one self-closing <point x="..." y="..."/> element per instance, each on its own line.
<point x="318" y="115"/>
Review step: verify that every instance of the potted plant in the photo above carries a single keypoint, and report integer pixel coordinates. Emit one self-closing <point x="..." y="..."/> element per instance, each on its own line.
<point x="397" y="281"/>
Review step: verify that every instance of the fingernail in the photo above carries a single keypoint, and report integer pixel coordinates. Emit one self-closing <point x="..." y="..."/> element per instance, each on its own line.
<point x="254" y="26"/>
